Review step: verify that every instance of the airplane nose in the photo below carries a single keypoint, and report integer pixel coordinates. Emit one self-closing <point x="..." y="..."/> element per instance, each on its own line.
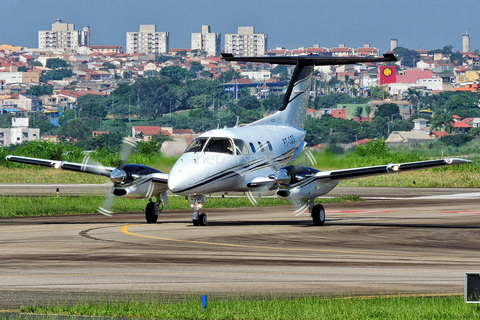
<point x="176" y="181"/>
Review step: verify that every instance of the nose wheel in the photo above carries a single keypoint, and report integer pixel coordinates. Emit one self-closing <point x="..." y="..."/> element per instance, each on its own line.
<point x="196" y="203"/>
<point x="201" y="221"/>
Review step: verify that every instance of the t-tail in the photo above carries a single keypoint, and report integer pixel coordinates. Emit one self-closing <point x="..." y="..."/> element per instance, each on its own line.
<point x="294" y="107"/>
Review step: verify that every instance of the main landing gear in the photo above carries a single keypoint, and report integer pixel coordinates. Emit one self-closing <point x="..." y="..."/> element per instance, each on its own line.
<point x="153" y="209"/>
<point x="196" y="202"/>
<point x="318" y="213"/>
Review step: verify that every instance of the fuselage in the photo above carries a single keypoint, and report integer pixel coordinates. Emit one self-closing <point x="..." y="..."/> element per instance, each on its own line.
<point x="228" y="159"/>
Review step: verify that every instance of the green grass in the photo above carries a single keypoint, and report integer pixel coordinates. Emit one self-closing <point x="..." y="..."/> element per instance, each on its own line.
<point x="450" y="307"/>
<point x="43" y="206"/>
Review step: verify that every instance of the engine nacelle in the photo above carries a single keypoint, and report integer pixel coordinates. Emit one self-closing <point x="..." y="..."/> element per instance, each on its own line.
<point x="298" y="184"/>
<point x="134" y="181"/>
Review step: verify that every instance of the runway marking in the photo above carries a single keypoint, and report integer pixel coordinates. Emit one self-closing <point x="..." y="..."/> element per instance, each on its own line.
<point x="472" y="212"/>
<point x="48" y="229"/>
<point x="361" y="211"/>
<point x="124" y="230"/>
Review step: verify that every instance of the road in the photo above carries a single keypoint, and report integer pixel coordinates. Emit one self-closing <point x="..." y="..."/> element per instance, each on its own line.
<point x="411" y="245"/>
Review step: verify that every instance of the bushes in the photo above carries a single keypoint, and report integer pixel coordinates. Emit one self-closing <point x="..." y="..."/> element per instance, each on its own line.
<point x="456" y="140"/>
<point x="106" y="154"/>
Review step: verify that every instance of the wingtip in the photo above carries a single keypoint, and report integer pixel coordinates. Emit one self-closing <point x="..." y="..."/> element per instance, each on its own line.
<point x="390" y="57"/>
<point x="455" y="161"/>
<point x="227" y="55"/>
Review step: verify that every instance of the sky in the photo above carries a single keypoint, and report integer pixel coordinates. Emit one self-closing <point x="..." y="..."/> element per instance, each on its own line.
<point x="417" y="24"/>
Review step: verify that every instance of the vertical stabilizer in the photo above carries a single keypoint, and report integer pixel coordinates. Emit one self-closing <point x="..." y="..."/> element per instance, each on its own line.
<point x="293" y="111"/>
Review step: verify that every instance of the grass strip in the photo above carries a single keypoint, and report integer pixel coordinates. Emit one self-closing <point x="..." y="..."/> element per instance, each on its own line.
<point x="44" y="206"/>
<point x="450" y="307"/>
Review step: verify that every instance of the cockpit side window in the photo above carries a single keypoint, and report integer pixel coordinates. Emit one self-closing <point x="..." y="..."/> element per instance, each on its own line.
<point x="220" y="145"/>
<point x="196" y="145"/>
<point x="241" y="145"/>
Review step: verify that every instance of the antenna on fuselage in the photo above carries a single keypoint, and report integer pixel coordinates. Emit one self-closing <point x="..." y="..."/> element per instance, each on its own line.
<point x="236" y="123"/>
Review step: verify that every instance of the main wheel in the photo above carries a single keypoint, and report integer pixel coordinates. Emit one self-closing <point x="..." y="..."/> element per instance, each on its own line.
<point x="150" y="215"/>
<point x="202" y="219"/>
<point x="318" y="215"/>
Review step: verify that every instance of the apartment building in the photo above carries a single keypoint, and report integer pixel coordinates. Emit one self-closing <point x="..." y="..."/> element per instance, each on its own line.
<point x="18" y="133"/>
<point x="21" y="101"/>
<point x="207" y="41"/>
<point x="63" y="36"/>
<point x="19" y="77"/>
<point x="246" y="42"/>
<point x="147" y="40"/>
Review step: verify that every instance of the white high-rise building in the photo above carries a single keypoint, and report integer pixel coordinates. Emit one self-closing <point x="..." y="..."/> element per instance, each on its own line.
<point x="147" y="40"/>
<point x="63" y="36"/>
<point x="393" y="44"/>
<point x="246" y="42"/>
<point x="466" y="42"/>
<point x="207" y="41"/>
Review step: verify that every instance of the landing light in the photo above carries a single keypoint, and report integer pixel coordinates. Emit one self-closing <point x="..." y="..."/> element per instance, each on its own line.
<point x="57" y="165"/>
<point x="393" y="167"/>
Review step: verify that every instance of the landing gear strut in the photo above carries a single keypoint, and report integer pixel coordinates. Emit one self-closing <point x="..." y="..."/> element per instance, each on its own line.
<point x="197" y="202"/>
<point x="153" y="209"/>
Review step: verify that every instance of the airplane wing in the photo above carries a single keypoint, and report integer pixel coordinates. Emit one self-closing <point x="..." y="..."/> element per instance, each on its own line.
<point x="346" y="174"/>
<point x="64" y="165"/>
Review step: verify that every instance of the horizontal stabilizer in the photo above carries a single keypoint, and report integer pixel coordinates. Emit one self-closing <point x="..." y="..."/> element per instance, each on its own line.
<point x="311" y="59"/>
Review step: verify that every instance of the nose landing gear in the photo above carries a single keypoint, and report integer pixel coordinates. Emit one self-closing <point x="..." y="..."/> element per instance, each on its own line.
<point x="196" y="202"/>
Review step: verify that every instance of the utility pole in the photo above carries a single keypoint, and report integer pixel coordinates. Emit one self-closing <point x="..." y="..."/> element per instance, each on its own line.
<point x="219" y="105"/>
<point x="129" y="122"/>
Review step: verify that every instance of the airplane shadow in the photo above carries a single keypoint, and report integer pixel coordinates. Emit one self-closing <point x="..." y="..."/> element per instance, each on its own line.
<point x="307" y="223"/>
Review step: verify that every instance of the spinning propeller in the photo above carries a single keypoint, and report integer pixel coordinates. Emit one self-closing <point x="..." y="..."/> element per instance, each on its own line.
<point x="118" y="175"/>
<point x="282" y="178"/>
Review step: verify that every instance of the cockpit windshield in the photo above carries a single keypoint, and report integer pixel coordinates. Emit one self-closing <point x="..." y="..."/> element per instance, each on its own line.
<point x="220" y="145"/>
<point x="196" y="145"/>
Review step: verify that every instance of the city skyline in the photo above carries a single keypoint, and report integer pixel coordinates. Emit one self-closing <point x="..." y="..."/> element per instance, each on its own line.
<point x="417" y="25"/>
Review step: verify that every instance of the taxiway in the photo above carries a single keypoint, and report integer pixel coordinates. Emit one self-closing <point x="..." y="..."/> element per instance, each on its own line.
<point x="406" y="246"/>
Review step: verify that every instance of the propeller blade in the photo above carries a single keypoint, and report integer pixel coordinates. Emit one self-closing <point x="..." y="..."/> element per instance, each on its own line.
<point x="93" y="166"/>
<point x="128" y="146"/>
<point x="107" y="204"/>
<point x="301" y="210"/>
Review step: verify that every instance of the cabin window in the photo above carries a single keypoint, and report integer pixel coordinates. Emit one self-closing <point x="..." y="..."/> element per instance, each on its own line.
<point x="196" y="145"/>
<point x="219" y="145"/>
<point x="252" y="147"/>
<point x="269" y="146"/>
<point x="260" y="146"/>
<point x="241" y="146"/>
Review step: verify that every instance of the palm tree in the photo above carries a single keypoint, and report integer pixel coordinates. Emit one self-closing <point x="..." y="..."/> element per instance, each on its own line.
<point x="358" y="112"/>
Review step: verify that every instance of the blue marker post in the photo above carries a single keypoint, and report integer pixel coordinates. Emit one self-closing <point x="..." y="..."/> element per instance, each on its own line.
<point x="204" y="302"/>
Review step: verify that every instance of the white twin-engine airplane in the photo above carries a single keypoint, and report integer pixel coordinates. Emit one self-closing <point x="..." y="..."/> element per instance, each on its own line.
<point x="250" y="158"/>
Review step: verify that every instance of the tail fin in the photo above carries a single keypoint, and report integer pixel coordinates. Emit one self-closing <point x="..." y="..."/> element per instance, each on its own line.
<point x="294" y="107"/>
<point x="293" y="111"/>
